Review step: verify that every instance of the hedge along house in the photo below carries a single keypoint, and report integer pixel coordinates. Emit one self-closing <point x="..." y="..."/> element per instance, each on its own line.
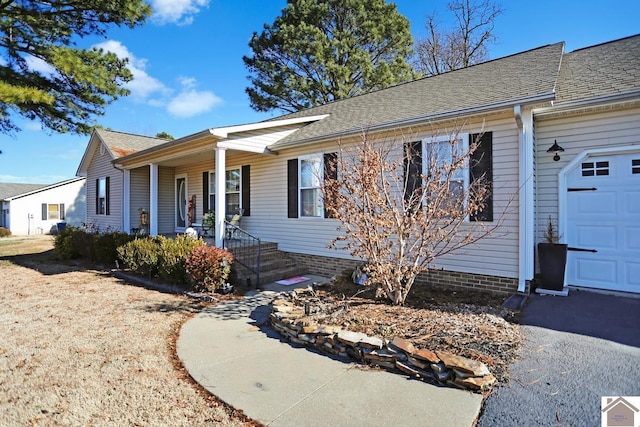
<point x="29" y="209"/>
<point x="519" y="105"/>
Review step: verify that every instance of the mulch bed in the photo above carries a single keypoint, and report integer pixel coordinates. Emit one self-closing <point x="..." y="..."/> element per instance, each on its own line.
<point x="466" y="323"/>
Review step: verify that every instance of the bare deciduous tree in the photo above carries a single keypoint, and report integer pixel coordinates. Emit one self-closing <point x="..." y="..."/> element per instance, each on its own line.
<point x="463" y="45"/>
<point x="399" y="218"/>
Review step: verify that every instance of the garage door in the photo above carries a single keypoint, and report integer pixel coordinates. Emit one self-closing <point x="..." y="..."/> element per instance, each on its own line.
<point x="603" y="223"/>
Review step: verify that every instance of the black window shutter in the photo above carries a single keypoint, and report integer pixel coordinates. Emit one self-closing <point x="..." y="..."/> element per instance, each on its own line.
<point x="107" y="196"/>
<point x="97" y="196"/>
<point x="412" y="167"/>
<point x="61" y="210"/>
<point x="44" y="211"/>
<point x="205" y="192"/>
<point x="292" y="188"/>
<point x="330" y="172"/>
<point x="482" y="167"/>
<point x="246" y="190"/>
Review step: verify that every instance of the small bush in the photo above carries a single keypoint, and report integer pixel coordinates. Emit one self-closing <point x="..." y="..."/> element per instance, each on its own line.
<point x="141" y="255"/>
<point x="4" y="232"/>
<point x="174" y="254"/>
<point x="64" y="243"/>
<point x="159" y="256"/>
<point x="105" y="246"/>
<point x="82" y="242"/>
<point x="208" y="268"/>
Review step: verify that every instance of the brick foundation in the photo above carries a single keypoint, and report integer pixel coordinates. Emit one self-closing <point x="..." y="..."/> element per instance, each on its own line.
<point x="331" y="266"/>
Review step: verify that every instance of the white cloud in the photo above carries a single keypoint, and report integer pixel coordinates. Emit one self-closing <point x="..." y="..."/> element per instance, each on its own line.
<point x="33" y="126"/>
<point x="142" y="85"/>
<point x="191" y="102"/>
<point x="38" y="65"/>
<point x="180" y="12"/>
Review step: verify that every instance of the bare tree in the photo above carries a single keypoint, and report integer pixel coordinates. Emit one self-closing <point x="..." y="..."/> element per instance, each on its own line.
<point x="400" y="218"/>
<point x="463" y="45"/>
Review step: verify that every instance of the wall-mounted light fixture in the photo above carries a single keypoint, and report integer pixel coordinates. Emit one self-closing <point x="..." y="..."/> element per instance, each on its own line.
<point x="555" y="149"/>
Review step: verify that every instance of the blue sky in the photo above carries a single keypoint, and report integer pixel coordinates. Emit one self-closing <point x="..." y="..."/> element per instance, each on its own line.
<point x="189" y="74"/>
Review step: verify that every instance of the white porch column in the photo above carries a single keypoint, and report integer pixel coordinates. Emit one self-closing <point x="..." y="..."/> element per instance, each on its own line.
<point x="153" y="199"/>
<point x="126" y="201"/>
<point x="526" y="241"/>
<point x="221" y="162"/>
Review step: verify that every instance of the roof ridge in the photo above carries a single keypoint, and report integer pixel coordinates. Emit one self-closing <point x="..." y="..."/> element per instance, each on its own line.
<point x="128" y="133"/>
<point x="604" y="43"/>
<point x="419" y="79"/>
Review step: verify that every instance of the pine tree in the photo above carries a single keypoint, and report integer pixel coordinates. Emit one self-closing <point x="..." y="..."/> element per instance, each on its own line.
<point x="45" y="77"/>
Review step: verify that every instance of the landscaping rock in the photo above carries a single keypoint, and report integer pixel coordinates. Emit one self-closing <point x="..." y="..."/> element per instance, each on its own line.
<point x="426" y="355"/>
<point x="402" y="345"/>
<point x="477" y="369"/>
<point x="399" y="354"/>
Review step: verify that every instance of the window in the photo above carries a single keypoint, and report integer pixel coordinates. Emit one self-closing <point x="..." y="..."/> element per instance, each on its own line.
<point x="52" y="211"/>
<point x="211" y="195"/>
<point x="480" y="167"/>
<point x="309" y="186"/>
<point x="102" y="196"/>
<point x="304" y="176"/>
<point x="237" y="191"/>
<point x="635" y="166"/>
<point x="233" y="182"/>
<point x="595" y="168"/>
<point x="442" y="153"/>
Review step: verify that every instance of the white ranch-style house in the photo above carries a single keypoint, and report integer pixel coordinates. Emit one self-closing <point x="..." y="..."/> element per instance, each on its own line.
<point x="586" y="102"/>
<point x="29" y="209"/>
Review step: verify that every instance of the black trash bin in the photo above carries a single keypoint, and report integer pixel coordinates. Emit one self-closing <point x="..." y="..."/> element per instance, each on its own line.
<point x="61" y="226"/>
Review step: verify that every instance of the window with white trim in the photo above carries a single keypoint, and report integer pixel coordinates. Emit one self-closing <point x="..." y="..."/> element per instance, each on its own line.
<point x="53" y="211"/>
<point x="233" y="189"/>
<point x="212" y="191"/>
<point x="102" y="196"/>
<point x="441" y="153"/>
<point x="310" y="176"/>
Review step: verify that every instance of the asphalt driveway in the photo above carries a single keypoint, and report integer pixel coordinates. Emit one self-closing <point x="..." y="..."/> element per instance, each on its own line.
<point x="579" y="348"/>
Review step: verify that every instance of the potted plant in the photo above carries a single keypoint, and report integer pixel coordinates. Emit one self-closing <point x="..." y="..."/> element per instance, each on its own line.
<point x="552" y="257"/>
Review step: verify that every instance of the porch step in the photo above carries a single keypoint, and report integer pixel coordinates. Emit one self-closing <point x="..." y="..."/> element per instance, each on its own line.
<point x="274" y="265"/>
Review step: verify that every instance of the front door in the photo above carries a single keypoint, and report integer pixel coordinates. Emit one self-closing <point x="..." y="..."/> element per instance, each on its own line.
<point x="181" y="203"/>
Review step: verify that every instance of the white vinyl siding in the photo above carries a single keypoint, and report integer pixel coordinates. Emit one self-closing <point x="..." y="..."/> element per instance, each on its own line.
<point x="497" y="255"/>
<point x="101" y="167"/>
<point x="25" y="213"/>
<point x="575" y="134"/>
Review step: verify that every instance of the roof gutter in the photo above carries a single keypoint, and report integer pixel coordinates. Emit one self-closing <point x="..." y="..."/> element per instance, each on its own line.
<point x="583" y="103"/>
<point x="548" y="96"/>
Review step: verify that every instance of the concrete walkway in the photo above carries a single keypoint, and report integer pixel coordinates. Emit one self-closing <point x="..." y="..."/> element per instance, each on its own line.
<point x="229" y="352"/>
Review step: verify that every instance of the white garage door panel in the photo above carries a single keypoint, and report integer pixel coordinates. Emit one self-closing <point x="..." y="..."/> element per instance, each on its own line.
<point x="595" y="203"/>
<point x="591" y="236"/>
<point x="606" y="220"/>
<point x="632" y="202"/>
<point x="632" y="238"/>
<point x="633" y="275"/>
<point x="596" y="272"/>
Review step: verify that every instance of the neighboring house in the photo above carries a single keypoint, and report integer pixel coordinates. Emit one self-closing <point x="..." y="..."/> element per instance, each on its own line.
<point x="29" y="209"/>
<point x="588" y="101"/>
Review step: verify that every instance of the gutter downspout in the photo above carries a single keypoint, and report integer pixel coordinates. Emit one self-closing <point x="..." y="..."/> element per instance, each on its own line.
<point x="526" y="245"/>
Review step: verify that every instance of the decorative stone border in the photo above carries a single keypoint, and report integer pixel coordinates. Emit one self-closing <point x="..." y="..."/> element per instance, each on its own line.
<point x="397" y="354"/>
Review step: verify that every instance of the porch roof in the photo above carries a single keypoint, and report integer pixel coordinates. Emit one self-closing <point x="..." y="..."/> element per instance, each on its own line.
<point x="252" y="137"/>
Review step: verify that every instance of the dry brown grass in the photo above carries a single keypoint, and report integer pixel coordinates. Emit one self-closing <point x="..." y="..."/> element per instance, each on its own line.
<point x="80" y="347"/>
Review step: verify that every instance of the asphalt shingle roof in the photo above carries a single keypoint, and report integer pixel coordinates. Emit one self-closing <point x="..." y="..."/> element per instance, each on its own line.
<point x="525" y="75"/>
<point x="15" y="189"/>
<point x="605" y="69"/>
<point x="121" y="144"/>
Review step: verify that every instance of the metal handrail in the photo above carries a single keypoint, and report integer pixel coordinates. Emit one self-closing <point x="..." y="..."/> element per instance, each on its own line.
<point x="245" y="248"/>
